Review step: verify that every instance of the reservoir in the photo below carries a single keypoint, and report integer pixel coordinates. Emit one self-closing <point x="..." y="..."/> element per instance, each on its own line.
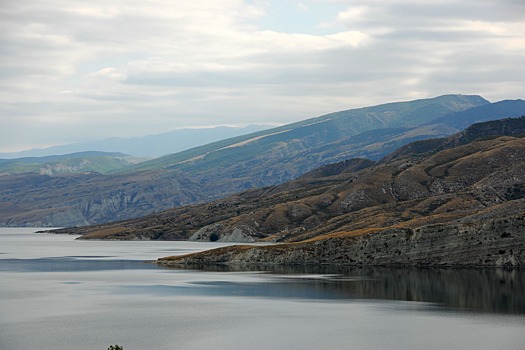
<point x="60" y="293"/>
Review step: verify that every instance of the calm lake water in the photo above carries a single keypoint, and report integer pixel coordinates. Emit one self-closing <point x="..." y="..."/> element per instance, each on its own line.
<point x="58" y="293"/>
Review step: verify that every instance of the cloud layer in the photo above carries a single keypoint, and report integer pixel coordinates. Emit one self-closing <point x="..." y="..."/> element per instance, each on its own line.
<point x="76" y="70"/>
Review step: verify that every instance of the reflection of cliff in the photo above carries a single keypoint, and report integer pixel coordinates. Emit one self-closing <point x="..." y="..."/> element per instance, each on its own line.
<point x="495" y="291"/>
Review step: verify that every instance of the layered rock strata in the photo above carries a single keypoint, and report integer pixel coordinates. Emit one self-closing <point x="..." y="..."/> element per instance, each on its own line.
<point x="498" y="242"/>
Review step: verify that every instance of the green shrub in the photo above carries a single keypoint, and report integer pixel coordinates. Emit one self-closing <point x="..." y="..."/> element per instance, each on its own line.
<point x="115" y="347"/>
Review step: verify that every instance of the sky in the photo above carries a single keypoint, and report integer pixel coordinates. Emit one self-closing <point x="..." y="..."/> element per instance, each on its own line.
<point x="74" y="71"/>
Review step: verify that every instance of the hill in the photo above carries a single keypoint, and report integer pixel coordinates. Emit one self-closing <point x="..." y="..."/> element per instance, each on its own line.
<point x="100" y="162"/>
<point x="313" y="133"/>
<point x="258" y="160"/>
<point x="81" y="199"/>
<point x="281" y="154"/>
<point x="484" y="113"/>
<point x="453" y="205"/>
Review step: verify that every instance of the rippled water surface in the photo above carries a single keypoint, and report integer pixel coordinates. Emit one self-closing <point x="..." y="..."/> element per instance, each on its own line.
<point x="58" y="293"/>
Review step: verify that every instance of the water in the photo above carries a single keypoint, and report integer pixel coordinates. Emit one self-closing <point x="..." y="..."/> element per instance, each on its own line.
<point x="58" y="293"/>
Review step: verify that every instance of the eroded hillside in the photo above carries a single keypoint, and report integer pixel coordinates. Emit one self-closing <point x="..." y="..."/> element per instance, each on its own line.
<point x="459" y="207"/>
<point x="426" y="182"/>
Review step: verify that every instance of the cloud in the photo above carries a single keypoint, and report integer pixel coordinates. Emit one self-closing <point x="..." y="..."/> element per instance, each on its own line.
<point x="137" y="67"/>
<point x="111" y="73"/>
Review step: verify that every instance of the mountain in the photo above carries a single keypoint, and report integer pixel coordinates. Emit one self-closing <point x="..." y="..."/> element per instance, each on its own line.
<point x="408" y="175"/>
<point x="101" y="162"/>
<point x="257" y="160"/>
<point x="280" y="154"/>
<point x="487" y="112"/>
<point x="147" y="146"/>
<point x="457" y="201"/>
<point x="80" y="199"/>
<point x="317" y="132"/>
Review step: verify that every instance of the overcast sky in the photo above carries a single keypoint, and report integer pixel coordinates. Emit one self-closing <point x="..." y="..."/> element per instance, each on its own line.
<point x="82" y="70"/>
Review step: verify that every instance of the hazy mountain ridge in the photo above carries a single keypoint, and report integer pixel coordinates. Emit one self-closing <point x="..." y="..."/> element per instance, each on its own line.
<point x="507" y="126"/>
<point x="462" y="120"/>
<point x="253" y="161"/>
<point x="147" y="146"/>
<point x="277" y="155"/>
<point x="322" y="130"/>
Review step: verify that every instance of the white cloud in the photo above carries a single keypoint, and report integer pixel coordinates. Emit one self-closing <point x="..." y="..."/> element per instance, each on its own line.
<point x="111" y="73"/>
<point x="77" y="69"/>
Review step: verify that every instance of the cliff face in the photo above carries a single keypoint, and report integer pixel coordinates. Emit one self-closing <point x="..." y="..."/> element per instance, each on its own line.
<point x="498" y="242"/>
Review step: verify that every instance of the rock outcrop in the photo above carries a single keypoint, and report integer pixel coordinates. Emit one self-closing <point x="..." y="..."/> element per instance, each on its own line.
<point x="495" y="243"/>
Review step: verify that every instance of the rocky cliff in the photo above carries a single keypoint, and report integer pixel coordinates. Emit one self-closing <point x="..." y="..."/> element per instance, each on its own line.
<point x="496" y="242"/>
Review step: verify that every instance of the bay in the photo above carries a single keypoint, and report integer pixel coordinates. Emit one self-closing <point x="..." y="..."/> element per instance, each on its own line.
<point x="60" y="293"/>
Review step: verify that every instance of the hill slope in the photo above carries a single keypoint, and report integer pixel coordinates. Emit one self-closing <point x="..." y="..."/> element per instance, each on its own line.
<point x="484" y="113"/>
<point x="282" y="154"/>
<point x="82" y="199"/>
<point x="100" y="162"/>
<point x="254" y="161"/>
<point x="315" y="132"/>
<point x="454" y="205"/>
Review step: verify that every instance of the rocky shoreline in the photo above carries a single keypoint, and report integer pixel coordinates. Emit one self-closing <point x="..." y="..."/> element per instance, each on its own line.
<point x="494" y="243"/>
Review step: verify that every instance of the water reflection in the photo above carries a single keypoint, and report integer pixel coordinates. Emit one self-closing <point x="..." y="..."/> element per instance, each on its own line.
<point x="71" y="264"/>
<point x="57" y="294"/>
<point x="487" y="290"/>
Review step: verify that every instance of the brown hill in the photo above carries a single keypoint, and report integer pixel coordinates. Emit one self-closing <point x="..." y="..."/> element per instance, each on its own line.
<point x="446" y="204"/>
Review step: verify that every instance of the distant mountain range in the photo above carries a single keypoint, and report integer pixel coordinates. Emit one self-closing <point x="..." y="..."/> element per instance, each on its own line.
<point x="454" y="201"/>
<point x="148" y="146"/>
<point x="260" y="159"/>
<point x="281" y="154"/>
